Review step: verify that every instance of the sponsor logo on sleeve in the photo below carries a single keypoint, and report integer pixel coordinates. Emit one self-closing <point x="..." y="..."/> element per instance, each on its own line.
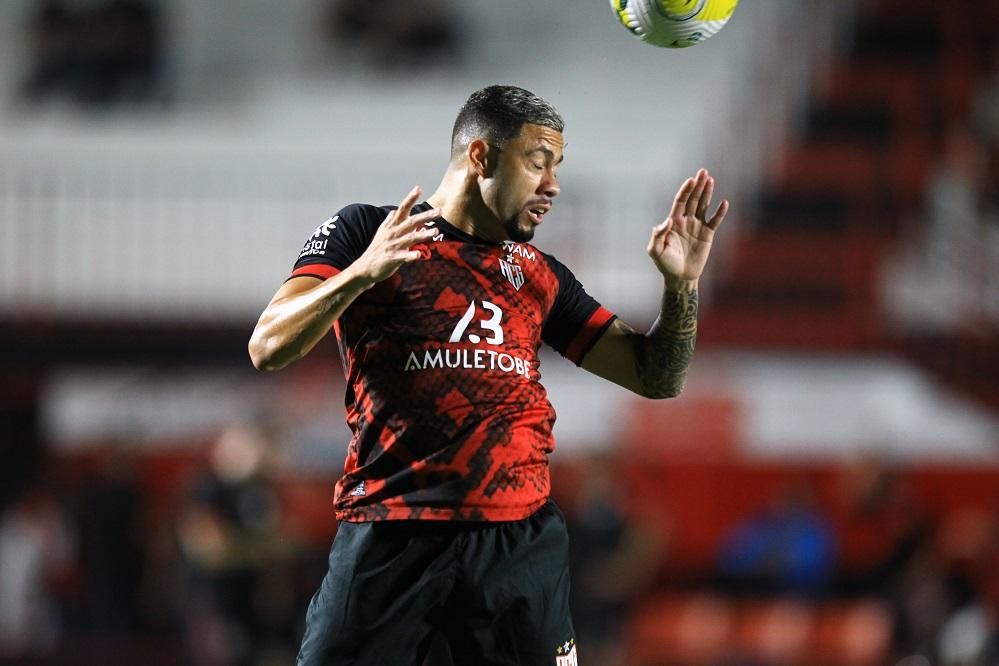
<point x="316" y="245"/>
<point x="326" y="227"/>
<point x="313" y="247"/>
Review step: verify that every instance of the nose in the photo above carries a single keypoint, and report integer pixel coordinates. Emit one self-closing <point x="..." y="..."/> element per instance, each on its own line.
<point x="549" y="186"/>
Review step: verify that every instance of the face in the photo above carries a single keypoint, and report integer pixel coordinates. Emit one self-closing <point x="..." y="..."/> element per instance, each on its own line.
<point x="523" y="184"/>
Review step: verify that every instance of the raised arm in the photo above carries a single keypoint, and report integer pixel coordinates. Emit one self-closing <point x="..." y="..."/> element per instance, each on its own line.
<point x="655" y="364"/>
<point x="304" y="308"/>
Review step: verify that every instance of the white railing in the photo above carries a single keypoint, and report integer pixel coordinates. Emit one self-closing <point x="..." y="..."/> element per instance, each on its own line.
<point x="140" y="230"/>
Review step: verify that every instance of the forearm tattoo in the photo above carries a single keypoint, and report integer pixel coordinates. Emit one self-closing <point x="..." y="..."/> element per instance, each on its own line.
<point x="663" y="354"/>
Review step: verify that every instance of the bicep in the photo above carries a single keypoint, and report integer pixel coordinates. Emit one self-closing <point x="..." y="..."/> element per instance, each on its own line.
<point x="283" y="334"/>
<point x="614" y="357"/>
<point x="293" y="287"/>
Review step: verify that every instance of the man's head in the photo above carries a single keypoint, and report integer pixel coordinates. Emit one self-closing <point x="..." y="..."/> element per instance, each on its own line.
<point x="513" y="141"/>
<point x="496" y="114"/>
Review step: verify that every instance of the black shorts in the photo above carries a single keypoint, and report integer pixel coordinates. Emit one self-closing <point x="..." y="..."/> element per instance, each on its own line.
<point x="478" y="593"/>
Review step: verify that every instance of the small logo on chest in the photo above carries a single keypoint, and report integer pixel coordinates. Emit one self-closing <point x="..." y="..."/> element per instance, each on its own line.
<point x="510" y="264"/>
<point x="513" y="273"/>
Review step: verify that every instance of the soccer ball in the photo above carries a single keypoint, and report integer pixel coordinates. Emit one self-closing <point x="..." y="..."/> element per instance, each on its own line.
<point x="674" y="24"/>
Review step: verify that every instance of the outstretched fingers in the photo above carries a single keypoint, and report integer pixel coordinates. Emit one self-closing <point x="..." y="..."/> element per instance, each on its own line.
<point x="406" y="205"/>
<point x="401" y="221"/>
<point x="417" y="235"/>
<point x="700" y="182"/>
<point x="415" y="230"/>
<point x="402" y="231"/>
<point x="705" y="203"/>
<point x="682" y="197"/>
<point x="719" y="215"/>
<point x="419" y="220"/>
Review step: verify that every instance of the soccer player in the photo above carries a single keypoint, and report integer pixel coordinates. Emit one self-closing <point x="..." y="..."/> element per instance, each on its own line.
<point x="439" y="308"/>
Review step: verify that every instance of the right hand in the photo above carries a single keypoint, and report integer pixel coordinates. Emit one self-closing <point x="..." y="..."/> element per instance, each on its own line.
<point x="392" y="244"/>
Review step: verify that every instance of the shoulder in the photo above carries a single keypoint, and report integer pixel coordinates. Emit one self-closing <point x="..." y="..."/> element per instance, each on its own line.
<point x="370" y="215"/>
<point x="560" y="270"/>
<point x="343" y="236"/>
<point x="368" y="210"/>
<point x="362" y="213"/>
<point x="351" y="215"/>
<point x="355" y="221"/>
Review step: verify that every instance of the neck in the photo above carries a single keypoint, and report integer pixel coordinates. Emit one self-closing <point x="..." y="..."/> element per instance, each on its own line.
<point x="460" y="202"/>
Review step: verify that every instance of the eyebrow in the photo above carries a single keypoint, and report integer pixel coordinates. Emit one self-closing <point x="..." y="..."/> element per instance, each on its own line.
<point x="549" y="154"/>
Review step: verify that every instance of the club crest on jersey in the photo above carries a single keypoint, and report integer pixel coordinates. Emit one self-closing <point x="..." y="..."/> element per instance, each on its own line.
<point x="513" y="273"/>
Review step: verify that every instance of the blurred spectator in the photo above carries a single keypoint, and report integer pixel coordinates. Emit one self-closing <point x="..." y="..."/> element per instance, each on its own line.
<point x="922" y="601"/>
<point x="36" y="551"/>
<point x="968" y="541"/>
<point x="954" y="226"/>
<point x="934" y="578"/>
<point x="394" y="34"/>
<point x="239" y="607"/>
<point x="110" y="516"/>
<point x="886" y="523"/>
<point x="788" y="548"/>
<point x="97" y="56"/>
<point x="613" y="559"/>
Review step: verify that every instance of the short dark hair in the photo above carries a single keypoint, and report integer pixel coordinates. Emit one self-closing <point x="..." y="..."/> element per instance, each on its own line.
<point x="497" y="114"/>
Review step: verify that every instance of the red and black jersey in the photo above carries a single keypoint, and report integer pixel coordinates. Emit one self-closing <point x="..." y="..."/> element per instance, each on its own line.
<point x="449" y="418"/>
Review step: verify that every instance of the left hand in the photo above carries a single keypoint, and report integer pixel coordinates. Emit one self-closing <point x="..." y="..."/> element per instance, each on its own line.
<point x="681" y="244"/>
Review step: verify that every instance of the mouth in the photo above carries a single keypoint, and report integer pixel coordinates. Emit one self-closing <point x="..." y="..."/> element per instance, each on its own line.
<point x="536" y="213"/>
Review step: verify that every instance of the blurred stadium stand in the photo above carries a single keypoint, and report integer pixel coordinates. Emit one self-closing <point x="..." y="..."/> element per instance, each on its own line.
<point x="848" y="344"/>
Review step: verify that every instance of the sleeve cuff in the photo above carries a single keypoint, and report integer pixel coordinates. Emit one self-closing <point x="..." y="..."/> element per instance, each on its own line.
<point x="588" y="335"/>
<point x="321" y="271"/>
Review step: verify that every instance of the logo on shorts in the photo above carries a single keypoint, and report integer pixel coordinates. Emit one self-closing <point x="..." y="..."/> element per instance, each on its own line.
<point x="565" y="655"/>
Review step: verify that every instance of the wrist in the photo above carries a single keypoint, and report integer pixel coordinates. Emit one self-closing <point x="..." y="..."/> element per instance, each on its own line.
<point x="678" y="285"/>
<point x="356" y="279"/>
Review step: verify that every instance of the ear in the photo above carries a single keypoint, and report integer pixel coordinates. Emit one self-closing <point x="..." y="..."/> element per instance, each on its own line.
<point x="481" y="157"/>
